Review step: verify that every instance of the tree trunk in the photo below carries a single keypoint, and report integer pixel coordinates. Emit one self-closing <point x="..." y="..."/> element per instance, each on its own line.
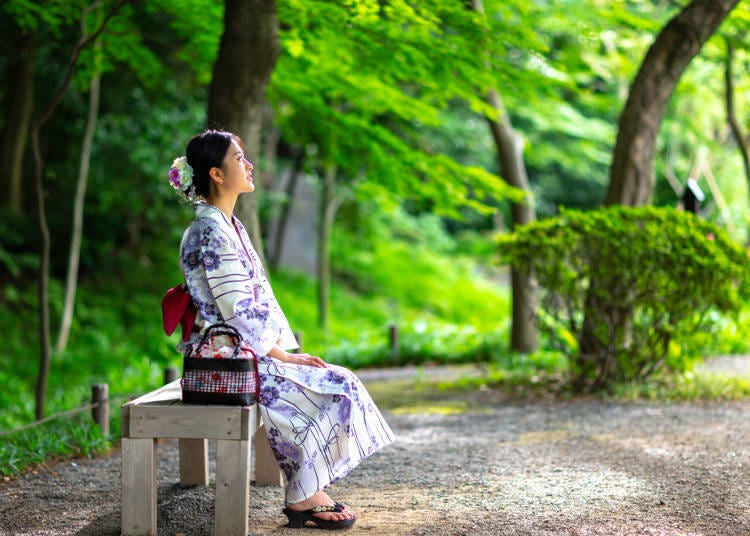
<point x="285" y="211"/>
<point x="247" y="56"/>
<point x="35" y="127"/>
<point x="327" y="214"/>
<point x="632" y="175"/>
<point x="524" y="333"/>
<point x="734" y="124"/>
<point x="43" y="281"/>
<point x="78" y="204"/>
<point x="16" y="132"/>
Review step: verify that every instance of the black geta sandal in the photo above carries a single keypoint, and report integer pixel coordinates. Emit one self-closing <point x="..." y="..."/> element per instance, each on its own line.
<point x="297" y="519"/>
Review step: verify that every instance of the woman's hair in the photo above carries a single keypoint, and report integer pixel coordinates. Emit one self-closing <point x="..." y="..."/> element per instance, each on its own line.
<point x="205" y="151"/>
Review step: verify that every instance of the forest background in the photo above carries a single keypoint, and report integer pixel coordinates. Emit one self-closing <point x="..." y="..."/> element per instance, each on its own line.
<point x="386" y="117"/>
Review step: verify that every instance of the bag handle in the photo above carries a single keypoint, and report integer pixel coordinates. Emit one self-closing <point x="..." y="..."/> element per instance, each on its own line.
<point x="222" y="328"/>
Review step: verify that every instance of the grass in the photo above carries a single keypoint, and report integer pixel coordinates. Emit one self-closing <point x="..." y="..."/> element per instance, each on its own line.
<point x="421" y="396"/>
<point x="689" y="386"/>
<point x="65" y="438"/>
<point x="542" y="376"/>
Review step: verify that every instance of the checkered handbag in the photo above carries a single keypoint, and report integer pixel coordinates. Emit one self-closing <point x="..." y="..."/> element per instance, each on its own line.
<point x="220" y="369"/>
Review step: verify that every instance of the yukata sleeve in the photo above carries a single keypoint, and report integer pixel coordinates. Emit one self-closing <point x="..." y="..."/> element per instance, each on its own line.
<point x="233" y="290"/>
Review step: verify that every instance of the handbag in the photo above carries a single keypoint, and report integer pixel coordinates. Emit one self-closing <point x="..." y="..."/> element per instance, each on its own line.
<point x="218" y="373"/>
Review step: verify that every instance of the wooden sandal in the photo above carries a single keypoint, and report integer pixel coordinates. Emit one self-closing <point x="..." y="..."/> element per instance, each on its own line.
<point x="297" y="519"/>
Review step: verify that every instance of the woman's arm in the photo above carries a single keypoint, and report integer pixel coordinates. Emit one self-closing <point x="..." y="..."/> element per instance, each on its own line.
<point x="209" y="258"/>
<point x="300" y="359"/>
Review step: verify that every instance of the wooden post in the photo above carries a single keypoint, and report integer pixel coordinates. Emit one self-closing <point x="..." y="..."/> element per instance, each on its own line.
<point x="393" y="341"/>
<point x="298" y="336"/>
<point x="266" y="467"/>
<point x="100" y="412"/>
<point x="193" y="462"/>
<point x="138" y="472"/>
<point x="171" y="374"/>
<point x="231" y="505"/>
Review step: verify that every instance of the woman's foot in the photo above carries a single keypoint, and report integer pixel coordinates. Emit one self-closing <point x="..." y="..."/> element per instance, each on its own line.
<point x="321" y="510"/>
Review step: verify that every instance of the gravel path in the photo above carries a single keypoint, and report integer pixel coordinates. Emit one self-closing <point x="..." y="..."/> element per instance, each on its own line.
<point x="464" y="464"/>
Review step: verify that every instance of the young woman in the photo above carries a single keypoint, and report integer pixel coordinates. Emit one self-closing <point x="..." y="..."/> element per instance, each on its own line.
<point x="320" y="420"/>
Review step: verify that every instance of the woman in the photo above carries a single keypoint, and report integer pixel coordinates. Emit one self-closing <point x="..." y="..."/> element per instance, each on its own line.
<point x="320" y="420"/>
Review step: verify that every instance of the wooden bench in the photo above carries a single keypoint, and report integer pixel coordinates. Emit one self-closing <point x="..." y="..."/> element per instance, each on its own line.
<point x="161" y="414"/>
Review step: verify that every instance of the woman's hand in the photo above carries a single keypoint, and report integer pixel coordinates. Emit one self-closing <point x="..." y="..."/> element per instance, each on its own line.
<point x="298" y="359"/>
<point x="304" y="359"/>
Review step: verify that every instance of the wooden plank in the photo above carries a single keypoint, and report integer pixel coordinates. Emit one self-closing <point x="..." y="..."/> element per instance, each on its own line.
<point x="125" y="421"/>
<point x="170" y="391"/>
<point x="193" y="462"/>
<point x="267" y="472"/>
<point x="138" y="487"/>
<point x="187" y="421"/>
<point x="232" y="488"/>
<point x="249" y="419"/>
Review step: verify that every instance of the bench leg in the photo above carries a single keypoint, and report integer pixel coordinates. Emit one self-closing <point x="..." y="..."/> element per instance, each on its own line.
<point x="193" y="462"/>
<point x="232" y="487"/>
<point x="267" y="472"/>
<point x="138" y="487"/>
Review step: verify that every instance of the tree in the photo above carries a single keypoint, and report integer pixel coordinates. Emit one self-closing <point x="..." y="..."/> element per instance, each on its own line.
<point x="74" y="257"/>
<point x="617" y="276"/>
<point x="509" y="144"/>
<point x="742" y="140"/>
<point x="36" y="125"/>
<point x="359" y="99"/>
<point x="247" y="56"/>
<point x="19" y="109"/>
<point x="632" y="175"/>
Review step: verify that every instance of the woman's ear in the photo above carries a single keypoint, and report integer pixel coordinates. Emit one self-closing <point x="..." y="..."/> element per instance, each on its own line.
<point x="216" y="175"/>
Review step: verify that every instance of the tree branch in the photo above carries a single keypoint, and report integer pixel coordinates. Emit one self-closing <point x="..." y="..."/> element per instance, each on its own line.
<point x="734" y="124"/>
<point x="83" y="42"/>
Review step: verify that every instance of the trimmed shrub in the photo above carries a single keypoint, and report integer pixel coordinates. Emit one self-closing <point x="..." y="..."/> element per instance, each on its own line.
<point x="626" y="288"/>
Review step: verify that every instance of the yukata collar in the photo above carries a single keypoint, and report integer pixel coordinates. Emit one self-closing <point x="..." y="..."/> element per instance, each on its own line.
<point x="203" y="209"/>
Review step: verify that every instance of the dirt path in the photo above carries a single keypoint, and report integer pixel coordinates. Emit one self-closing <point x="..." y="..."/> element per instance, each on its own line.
<point x="466" y="463"/>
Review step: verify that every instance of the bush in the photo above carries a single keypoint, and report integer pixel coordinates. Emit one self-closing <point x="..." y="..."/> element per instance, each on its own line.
<point x="626" y="288"/>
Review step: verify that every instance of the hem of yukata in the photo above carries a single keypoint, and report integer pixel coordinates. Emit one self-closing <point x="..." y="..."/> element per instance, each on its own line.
<point x="350" y="465"/>
<point x="348" y="468"/>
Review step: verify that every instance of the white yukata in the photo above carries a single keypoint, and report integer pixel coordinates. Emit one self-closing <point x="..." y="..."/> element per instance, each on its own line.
<point x="321" y="422"/>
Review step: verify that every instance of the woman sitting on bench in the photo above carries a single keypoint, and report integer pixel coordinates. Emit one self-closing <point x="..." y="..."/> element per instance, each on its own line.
<point x="320" y="420"/>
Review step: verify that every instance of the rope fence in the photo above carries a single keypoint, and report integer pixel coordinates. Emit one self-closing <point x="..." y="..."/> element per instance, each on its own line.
<point x="99" y="406"/>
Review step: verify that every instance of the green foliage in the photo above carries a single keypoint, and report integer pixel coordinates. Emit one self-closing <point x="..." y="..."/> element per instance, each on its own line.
<point x="690" y="385"/>
<point x="50" y="17"/>
<point x="593" y="50"/>
<point x="117" y="337"/>
<point x="406" y="273"/>
<point x="60" y="438"/>
<point x="627" y="289"/>
<point x="360" y="98"/>
<point x="393" y="94"/>
<point x="538" y="374"/>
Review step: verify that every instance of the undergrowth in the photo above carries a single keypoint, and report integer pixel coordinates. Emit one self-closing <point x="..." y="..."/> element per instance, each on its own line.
<point x="74" y="437"/>
<point x="447" y="312"/>
<point x="117" y="335"/>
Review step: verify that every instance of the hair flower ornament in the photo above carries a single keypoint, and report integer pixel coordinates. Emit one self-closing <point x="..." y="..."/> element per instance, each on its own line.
<point x="181" y="179"/>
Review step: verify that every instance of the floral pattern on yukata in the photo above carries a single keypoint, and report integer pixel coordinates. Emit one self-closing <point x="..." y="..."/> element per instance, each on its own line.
<point x="321" y="422"/>
<point x="228" y="283"/>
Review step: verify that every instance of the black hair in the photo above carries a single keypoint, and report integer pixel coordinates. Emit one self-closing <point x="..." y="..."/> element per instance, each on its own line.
<point x="205" y="151"/>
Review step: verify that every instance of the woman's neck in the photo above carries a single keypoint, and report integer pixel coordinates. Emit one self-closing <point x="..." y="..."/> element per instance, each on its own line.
<point x="224" y="203"/>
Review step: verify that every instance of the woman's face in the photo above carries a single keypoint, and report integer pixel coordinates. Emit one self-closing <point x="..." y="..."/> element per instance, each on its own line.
<point x="238" y="171"/>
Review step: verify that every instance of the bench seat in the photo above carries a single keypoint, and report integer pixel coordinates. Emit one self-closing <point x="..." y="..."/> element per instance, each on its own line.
<point x="162" y="414"/>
